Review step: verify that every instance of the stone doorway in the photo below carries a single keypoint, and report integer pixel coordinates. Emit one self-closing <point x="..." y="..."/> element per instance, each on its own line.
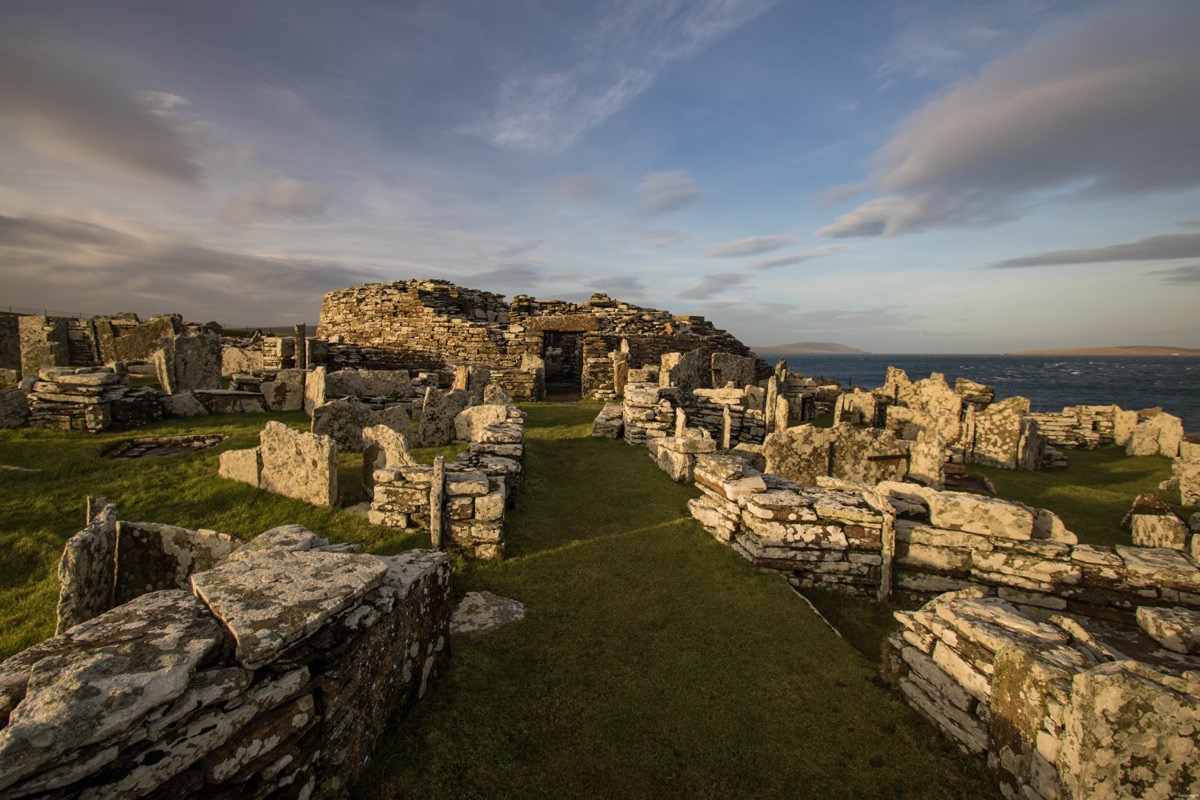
<point x="563" y="354"/>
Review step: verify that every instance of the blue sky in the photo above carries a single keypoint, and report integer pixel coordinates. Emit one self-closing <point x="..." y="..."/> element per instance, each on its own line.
<point x="901" y="177"/>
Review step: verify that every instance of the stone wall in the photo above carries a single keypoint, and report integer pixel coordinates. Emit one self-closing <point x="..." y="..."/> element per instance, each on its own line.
<point x="461" y="503"/>
<point x="433" y="324"/>
<point x="189" y="362"/>
<point x="1059" y="706"/>
<point x="89" y="399"/>
<point x="273" y="674"/>
<point x="1086" y="427"/>
<point x="43" y="343"/>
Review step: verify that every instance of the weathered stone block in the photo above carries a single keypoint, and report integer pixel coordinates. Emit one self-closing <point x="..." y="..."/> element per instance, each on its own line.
<point x="244" y="466"/>
<point x="1159" y="435"/>
<point x="1176" y="629"/>
<point x="286" y="391"/>
<point x="87" y="570"/>
<point x="974" y="514"/>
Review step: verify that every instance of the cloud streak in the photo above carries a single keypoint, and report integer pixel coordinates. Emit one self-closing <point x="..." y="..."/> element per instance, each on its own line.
<point x="1153" y="248"/>
<point x="748" y="246"/>
<point x="664" y="192"/>
<point x="795" y="258"/>
<point x="63" y="111"/>
<point x="285" y="198"/>
<point x="1104" y="108"/>
<point x="711" y="285"/>
<point x="547" y="107"/>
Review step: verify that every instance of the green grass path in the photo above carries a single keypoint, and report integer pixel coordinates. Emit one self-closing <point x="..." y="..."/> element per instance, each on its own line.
<point x="652" y="662"/>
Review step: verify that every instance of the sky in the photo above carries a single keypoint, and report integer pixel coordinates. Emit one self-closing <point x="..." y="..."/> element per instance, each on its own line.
<point x="917" y="177"/>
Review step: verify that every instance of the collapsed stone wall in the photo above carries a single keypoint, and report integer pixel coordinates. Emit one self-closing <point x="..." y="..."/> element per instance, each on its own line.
<point x="272" y="674"/>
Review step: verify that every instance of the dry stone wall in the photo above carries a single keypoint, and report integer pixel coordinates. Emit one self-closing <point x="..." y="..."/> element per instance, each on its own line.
<point x="89" y="399"/>
<point x="273" y="674"/>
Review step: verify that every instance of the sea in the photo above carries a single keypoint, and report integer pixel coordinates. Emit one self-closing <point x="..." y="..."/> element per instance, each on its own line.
<point x="1050" y="382"/>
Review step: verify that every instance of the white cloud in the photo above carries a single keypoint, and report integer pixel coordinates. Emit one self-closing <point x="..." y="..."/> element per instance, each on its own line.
<point x="790" y="260"/>
<point x="617" y="57"/>
<point x="711" y="285"/>
<point x="651" y="238"/>
<point x="664" y="192"/>
<point x="748" y="246"/>
<point x="61" y="109"/>
<point x="285" y="198"/>
<point x="1107" y="104"/>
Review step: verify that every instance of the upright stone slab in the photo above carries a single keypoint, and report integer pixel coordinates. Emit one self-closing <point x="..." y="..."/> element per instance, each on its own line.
<point x="244" y="466"/>
<point x="152" y="557"/>
<point x="14" y="410"/>
<point x="285" y="392"/>
<point x="470" y="422"/>
<point x="383" y="448"/>
<point x="188" y="363"/>
<point x="86" y="570"/>
<point x="299" y="465"/>
<point x="998" y="433"/>
<point x="804" y="452"/>
<point x="437" y="419"/>
<point x="343" y="421"/>
<point x="314" y="389"/>
<point x="732" y="370"/>
<point x="1159" y="435"/>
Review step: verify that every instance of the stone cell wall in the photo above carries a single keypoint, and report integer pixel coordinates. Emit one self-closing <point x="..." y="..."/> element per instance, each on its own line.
<point x="272" y="675"/>
<point x="1085" y="427"/>
<point x="43" y="343"/>
<point x="292" y="463"/>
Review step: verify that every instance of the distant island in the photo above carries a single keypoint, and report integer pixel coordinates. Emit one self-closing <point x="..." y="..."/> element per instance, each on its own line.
<point x="807" y="349"/>
<point x="1119" y="350"/>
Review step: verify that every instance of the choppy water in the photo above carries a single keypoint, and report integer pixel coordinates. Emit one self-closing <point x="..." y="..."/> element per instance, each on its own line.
<point x="1050" y="382"/>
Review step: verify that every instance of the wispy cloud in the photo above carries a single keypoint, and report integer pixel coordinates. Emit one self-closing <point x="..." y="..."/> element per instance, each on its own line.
<point x="711" y="285"/>
<point x="619" y="55"/>
<point x="56" y="107"/>
<point x="1107" y="105"/>
<point x="1180" y="276"/>
<point x="518" y="276"/>
<point x="581" y="187"/>
<point x="619" y="286"/>
<point x="91" y="266"/>
<point x="1153" y="248"/>
<point x="285" y="198"/>
<point x="748" y="246"/>
<point x="651" y="238"/>
<point x="664" y="192"/>
<point x="795" y="258"/>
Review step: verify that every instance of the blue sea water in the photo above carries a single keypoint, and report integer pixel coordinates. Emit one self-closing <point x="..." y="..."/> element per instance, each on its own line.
<point x="1050" y="382"/>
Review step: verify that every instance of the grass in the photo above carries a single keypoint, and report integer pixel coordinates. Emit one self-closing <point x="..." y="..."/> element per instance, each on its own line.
<point x="652" y="662"/>
<point x="1093" y="494"/>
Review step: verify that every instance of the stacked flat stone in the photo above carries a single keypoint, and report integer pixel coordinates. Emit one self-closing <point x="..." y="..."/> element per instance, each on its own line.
<point x="610" y="422"/>
<point x="1186" y="469"/>
<point x="471" y="493"/>
<point x="718" y="410"/>
<point x="649" y="412"/>
<point x="820" y="537"/>
<point x="676" y="455"/>
<point x="274" y="673"/>
<point x="1058" y="706"/>
<point x="89" y="399"/>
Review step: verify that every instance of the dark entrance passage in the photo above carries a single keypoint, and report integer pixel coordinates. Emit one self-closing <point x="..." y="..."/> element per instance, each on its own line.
<point x="563" y="353"/>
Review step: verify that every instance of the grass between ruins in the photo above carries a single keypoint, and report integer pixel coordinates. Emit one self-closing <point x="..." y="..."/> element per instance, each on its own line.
<point x="652" y="661"/>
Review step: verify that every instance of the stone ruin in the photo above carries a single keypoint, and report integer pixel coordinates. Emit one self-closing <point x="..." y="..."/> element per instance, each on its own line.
<point x="1075" y="668"/>
<point x="188" y="664"/>
<point x="428" y="325"/>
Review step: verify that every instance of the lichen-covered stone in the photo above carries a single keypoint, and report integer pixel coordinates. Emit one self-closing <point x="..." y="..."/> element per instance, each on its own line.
<point x="1159" y="435"/>
<point x="183" y="404"/>
<point x="298" y="465"/>
<point x="13" y="408"/>
<point x="961" y="511"/>
<point x="480" y="612"/>
<point x="470" y="422"/>
<point x="1176" y="629"/>
<point x="86" y="570"/>
<point x="276" y="597"/>
<point x="284" y="392"/>
<point x="99" y="678"/>
<point x="244" y="466"/>
<point x="383" y="448"/>
<point x="1130" y="731"/>
<point x="152" y="556"/>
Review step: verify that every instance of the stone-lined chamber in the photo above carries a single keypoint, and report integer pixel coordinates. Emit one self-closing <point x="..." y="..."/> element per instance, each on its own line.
<point x="269" y="671"/>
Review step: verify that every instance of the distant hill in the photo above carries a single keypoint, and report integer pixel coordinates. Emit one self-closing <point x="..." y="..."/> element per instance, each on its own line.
<point x="807" y="349"/>
<point x="1119" y="350"/>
